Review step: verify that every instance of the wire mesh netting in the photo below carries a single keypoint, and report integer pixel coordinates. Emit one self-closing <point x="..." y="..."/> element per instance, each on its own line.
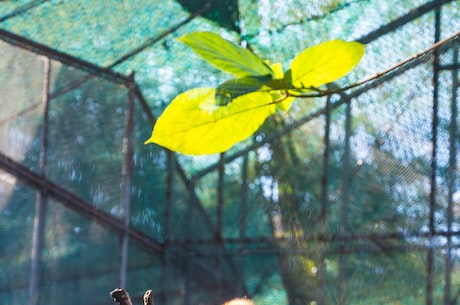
<point x="351" y="198"/>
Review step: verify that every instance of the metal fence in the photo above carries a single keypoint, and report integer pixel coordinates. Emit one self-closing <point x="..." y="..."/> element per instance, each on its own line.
<point x="350" y="199"/>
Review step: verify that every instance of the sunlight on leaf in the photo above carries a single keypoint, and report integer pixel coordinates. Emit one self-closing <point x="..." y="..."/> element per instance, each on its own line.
<point x="279" y="95"/>
<point x="324" y="63"/>
<point x="211" y="120"/>
<point x="225" y="55"/>
<point x="285" y="103"/>
<point x="277" y="69"/>
<point x="233" y="88"/>
<point x="194" y="124"/>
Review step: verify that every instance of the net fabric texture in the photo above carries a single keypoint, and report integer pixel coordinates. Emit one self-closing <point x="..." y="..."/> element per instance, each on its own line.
<point x="346" y="199"/>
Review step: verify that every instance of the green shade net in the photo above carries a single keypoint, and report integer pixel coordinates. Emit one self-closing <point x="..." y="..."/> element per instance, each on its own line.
<point x="345" y="199"/>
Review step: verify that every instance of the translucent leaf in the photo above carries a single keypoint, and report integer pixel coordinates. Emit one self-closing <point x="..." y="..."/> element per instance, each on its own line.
<point x="193" y="124"/>
<point x="234" y="88"/>
<point x="277" y="69"/>
<point x="225" y="55"/>
<point x="285" y="103"/>
<point x="324" y="63"/>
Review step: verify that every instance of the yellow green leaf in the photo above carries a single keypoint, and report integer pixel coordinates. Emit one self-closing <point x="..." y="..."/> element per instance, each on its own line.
<point x="277" y="69"/>
<point x="285" y="102"/>
<point x="194" y="124"/>
<point x="282" y="101"/>
<point x="225" y="55"/>
<point x="280" y="97"/>
<point x="325" y="62"/>
<point x="233" y="88"/>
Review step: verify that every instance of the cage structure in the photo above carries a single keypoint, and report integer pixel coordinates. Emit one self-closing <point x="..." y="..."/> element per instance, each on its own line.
<point x="351" y="198"/>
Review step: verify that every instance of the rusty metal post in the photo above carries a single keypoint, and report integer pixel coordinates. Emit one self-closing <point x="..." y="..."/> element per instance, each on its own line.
<point x="126" y="177"/>
<point x="41" y="196"/>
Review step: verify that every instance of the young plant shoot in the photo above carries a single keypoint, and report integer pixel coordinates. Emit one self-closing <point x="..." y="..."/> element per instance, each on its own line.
<point x="211" y="120"/>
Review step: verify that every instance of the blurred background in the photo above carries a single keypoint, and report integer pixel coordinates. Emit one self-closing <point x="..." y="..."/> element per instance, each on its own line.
<point x="353" y="198"/>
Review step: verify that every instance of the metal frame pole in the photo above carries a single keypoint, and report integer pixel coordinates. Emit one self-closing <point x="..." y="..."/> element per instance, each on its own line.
<point x="434" y="165"/>
<point x="451" y="177"/>
<point x="321" y="297"/>
<point x="344" y="209"/>
<point x="126" y="177"/>
<point x="41" y="196"/>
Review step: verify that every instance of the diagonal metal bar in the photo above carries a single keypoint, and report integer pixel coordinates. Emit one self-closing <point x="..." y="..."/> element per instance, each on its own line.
<point x="101" y="72"/>
<point x="72" y="201"/>
<point x="109" y="74"/>
<point x="107" y="220"/>
<point x="62" y="57"/>
<point x="156" y="39"/>
<point x="22" y="10"/>
<point x="405" y="19"/>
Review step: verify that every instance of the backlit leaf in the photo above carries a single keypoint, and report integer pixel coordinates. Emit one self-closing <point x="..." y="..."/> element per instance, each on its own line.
<point x="225" y="55"/>
<point x="285" y="102"/>
<point x="233" y="88"/>
<point x="282" y="101"/>
<point x="194" y="124"/>
<point x="207" y="120"/>
<point x="324" y="63"/>
<point x="277" y="69"/>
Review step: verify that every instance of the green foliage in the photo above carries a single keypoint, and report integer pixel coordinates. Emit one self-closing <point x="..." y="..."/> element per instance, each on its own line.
<point x="324" y="63"/>
<point x="205" y="120"/>
<point x="238" y="120"/>
<point x="382" y="198"/>
<point x="225" y="55"/>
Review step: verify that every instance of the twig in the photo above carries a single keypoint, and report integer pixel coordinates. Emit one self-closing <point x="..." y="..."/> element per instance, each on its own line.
<point x="121" y="296"/>
<point x="148" y="297"/>
<point x="432" y="48"/>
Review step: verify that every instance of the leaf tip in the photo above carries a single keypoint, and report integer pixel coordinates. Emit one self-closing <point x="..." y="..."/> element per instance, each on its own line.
<point x="149" y="140"/>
